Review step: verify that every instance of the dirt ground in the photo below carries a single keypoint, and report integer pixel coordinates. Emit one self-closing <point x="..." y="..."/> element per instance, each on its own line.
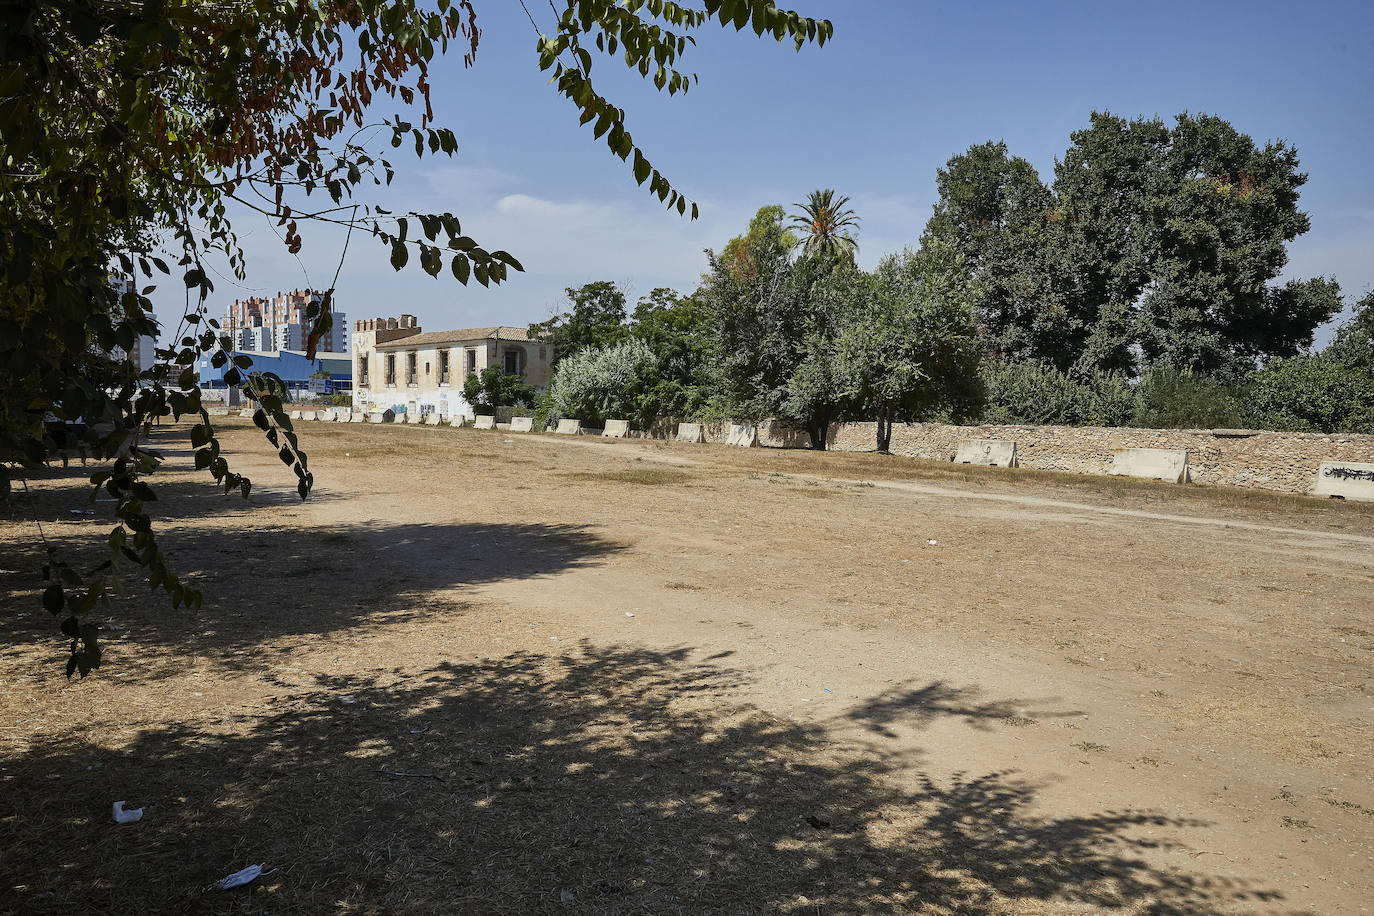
<point x="490" y="673"/>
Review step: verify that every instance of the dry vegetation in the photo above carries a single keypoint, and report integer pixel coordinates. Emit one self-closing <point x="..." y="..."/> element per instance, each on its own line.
<point x="484" y="673"/>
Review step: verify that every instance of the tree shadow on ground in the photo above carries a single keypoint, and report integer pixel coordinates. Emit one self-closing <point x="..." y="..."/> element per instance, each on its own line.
<point x="263" y="583"/>
<point x="60" y="494"/>
<point x="917" y="707"/>
<point x="606" y="780"/>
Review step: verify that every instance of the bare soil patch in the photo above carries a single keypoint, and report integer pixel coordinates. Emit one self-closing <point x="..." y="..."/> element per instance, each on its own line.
<point x="494" y="673"/>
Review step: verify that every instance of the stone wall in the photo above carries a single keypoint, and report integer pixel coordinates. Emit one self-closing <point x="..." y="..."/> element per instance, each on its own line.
<point x="1237" y="458"/>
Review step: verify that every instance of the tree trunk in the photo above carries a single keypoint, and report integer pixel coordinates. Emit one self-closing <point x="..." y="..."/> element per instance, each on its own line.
<point x="817" y="431"/>
<point x="884" y="433"/>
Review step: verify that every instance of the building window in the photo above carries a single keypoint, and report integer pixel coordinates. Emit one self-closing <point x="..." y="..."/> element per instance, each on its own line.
<point x="411" y="375"/>
<point x="362" y="370"/>
<point x="443" y="367"/>
<point x="512" y="362"/>
<point x="470" y="360"/>
<point x="391" y="368"/>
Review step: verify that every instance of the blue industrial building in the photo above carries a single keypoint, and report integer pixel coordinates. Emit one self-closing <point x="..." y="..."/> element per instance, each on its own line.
<point x="291" y="367"/>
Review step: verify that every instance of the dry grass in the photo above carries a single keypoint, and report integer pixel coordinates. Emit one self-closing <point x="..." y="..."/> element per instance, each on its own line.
<point x="640" y="476"/>
<point x="864" y="466"/>
<point x="423" y="628"/>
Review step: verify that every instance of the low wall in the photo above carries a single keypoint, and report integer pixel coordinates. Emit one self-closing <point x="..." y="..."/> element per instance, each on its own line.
<point x="1236" y="458"/>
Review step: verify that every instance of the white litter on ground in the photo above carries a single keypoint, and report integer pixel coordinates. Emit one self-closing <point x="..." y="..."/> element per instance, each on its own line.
<point x="239" y="878"/>
<point x="121" y="816"/>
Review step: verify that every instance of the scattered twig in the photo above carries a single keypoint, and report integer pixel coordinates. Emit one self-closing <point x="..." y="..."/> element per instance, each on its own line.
<point x="411" y="775"/>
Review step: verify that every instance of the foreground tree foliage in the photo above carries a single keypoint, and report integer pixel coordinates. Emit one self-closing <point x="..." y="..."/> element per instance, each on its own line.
<point x="129" y="132"/>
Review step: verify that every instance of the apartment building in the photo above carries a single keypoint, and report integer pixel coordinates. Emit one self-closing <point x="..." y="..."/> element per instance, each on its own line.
<point x="267" y="324"/>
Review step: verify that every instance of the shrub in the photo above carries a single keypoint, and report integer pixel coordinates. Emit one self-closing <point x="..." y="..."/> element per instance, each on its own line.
<point x="1311" y="394"/>
<point x="607" y="382"/>
<point x="493" y="388"/>
<point x="1029" y="392"/>
<point x="1169" y="398"/>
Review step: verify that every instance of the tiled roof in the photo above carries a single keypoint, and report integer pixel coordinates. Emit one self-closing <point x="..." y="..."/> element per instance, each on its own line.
<point x="462" y="335"/>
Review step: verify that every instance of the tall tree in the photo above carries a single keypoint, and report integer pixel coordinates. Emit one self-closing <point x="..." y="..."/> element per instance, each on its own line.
<point x="1222" y="211"/>
<point x="775" y="333"/>
<point x="1353" y="342"/>
<point x="993" y="212"/>
<point x="1098" y="246"/>
<point x="677" y="329"/>
<point x="1155" y="245"/>
<point x="911" y="350"/>
<point x="765" y="228"/>
<point x="129" y="130"/>
<point x="594" y="317"/>
<point x="826" y="225"/>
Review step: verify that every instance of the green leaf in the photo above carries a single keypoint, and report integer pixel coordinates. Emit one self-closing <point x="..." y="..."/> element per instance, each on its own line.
<point x="399" y="255"/>
<point x="53" y="598"/>
<point x="461" y="268"/>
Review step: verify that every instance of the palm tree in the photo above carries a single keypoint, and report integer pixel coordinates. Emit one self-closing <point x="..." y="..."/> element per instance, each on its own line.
<point x="822" y="222"/>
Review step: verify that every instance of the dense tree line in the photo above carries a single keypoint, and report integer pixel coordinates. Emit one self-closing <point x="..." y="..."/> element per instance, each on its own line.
<point x="784" y="325"/>
<point x="1153" y="245"/>
<point x="1136" y="288"/>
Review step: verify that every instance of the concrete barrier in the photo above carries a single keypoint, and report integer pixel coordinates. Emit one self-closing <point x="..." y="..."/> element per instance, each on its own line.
<point x="383" y="416"/>
<point x="566" y="427"/>
<point x="690" y="432"/>
<point x="430" y="419"/>
<point x="616" y="429"/>
<point x="357" y="416"/>
<point x="522" y="424"/>
<point x="1345" y="479"/>
<point x="1169" y="464"/>
<point x="295" y="415"/>
<point x="998" y="453"/>
<point x="341" y="414"/>
<point x="458" y="421"/>
<point x="217" y="411"/>
<point x="483" y="422"/>
<point x="743" y="435"/>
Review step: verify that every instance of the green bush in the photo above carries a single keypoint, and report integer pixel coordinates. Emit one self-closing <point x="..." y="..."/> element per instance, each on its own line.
<point x="601" y="383"/>
<point x="1037" y="393"/>
<point x="1169" y="398"/>
<point x="1311" y="394"/>
<point x="493" y="388"/>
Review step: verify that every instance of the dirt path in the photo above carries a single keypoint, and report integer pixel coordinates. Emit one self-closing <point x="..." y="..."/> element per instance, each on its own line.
<point x="711" y="681"/>
<point x="1027" y="500"/>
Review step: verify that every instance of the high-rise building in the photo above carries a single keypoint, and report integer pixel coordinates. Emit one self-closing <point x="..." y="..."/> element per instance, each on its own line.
<point x="266" y="325"/>
<point x="142" y="353"/>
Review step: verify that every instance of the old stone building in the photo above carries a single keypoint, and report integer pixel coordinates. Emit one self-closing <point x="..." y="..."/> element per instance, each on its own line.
<point x="398" y="365"/>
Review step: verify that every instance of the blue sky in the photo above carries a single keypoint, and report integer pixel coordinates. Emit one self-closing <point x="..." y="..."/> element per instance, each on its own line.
<point x="904" y="86"/>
